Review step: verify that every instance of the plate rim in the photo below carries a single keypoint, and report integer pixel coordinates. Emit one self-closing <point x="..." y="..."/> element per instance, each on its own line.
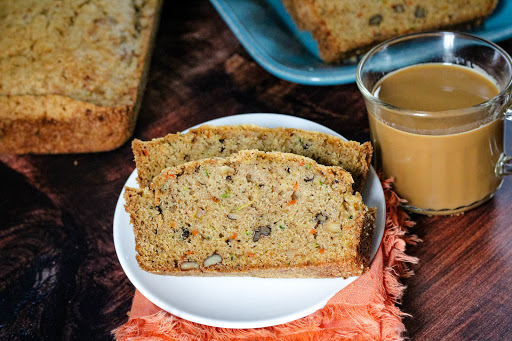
<point x="139" y="285"/>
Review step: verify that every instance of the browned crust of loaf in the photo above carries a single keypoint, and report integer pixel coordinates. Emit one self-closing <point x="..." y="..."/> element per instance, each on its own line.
<point x="73" y="126"/>
<point x="91" y="128"/>
<point x="142" y="150"/>
<point x="306" y="16"/>
<point x="366" y="237"/>
<point x="360" y="178"/>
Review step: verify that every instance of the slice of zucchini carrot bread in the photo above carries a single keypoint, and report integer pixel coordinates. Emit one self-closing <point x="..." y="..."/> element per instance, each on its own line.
<point x="221" y="141"/>
<point x="264" y="214"/>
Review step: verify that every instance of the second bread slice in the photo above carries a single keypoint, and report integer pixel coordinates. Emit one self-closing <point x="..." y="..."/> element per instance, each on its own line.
<point x="221" y="141"/>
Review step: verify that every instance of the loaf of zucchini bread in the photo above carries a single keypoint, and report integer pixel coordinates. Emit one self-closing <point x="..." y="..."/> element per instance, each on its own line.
<point x="220" y="141"/>
<point x="265" y="214"/>
<point x="72" y="73"/>
<point x="345" y="28"/>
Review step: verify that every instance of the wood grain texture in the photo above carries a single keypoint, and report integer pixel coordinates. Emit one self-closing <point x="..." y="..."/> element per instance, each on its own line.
<point x="462" y="286"/>
<point x="59" y="274"/>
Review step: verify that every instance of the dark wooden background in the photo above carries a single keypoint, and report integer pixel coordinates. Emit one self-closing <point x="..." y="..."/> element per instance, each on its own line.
<point x="59" y="274"/>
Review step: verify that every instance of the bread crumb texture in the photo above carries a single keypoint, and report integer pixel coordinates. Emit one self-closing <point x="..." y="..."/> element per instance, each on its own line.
<point x="220" y="141"/>
<point x="255" y="213"/>
<point x="85" y="50"/>
<point x="344" y="28"/>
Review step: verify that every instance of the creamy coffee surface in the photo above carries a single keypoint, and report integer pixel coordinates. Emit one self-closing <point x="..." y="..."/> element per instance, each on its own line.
<point x="435" y="87"/>
<point x="433" y="168"/>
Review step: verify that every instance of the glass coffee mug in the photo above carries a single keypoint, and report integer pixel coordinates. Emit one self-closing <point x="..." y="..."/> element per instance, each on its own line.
<point x="443" y="161"/>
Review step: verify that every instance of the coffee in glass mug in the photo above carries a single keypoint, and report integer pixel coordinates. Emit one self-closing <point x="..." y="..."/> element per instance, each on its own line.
<point x="436" y="105"/>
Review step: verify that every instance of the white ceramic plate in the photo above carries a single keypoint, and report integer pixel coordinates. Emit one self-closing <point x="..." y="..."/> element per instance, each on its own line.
<point x="239" y="302"/>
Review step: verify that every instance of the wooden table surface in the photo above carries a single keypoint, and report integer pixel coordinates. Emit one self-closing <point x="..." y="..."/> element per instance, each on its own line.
<point x="59" y="274"/>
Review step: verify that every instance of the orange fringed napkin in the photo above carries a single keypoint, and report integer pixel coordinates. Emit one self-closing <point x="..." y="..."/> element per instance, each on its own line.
<point x="364" y="310"/>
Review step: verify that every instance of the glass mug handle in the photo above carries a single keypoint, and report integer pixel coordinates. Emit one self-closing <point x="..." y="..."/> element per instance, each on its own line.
<point x="504" y="165"/>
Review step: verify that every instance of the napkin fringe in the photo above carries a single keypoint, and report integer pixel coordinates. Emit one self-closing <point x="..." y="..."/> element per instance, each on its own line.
<point x="364" y="325"/>
<point x="378" y="319"/>
<point x="370" y="322"/>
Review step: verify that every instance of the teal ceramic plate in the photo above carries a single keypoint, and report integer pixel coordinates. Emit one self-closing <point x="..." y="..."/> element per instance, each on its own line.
<point x="270" y="36"/>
